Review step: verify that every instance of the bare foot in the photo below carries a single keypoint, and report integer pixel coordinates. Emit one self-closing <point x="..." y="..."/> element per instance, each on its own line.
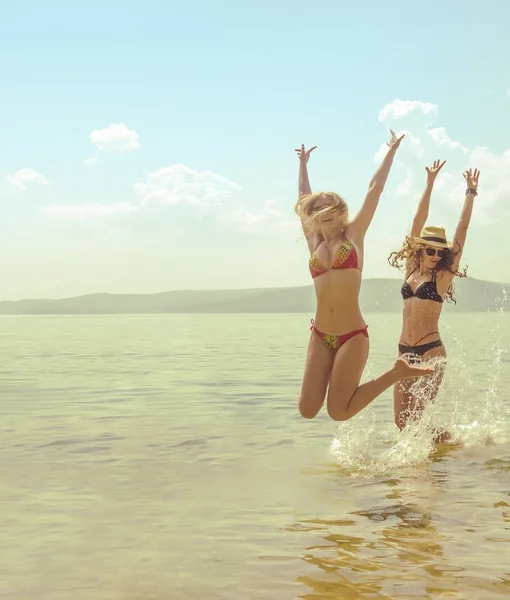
<point x="406" y="371"/>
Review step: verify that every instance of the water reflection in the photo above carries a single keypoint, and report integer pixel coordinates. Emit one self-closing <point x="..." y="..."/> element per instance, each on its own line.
<point x="354" y="556"/>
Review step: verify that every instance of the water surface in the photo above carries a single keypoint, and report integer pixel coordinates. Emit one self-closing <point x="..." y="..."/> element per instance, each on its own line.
<point x="163" y="457"/>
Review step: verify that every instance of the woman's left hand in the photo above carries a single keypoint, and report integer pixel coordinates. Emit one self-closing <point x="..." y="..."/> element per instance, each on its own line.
<point x="395" y="141"/>
<point x="472" y="178"/>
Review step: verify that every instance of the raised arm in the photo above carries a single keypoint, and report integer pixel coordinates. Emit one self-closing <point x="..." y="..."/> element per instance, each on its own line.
<point x="461" y="232"/>
<point x="422" y="212"/>
<point x="362" y="220"/>
<point x="303" y="181"/>
<point x="304" y="188"/>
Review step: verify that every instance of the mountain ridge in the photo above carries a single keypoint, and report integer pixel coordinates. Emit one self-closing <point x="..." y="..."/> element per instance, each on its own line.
<point x="377" y="295"/>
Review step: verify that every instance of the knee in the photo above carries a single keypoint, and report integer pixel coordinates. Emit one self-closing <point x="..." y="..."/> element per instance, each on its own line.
<point x="337" y="403"/>
<point x="338" y="413"/>
<point x="307" y="409"/>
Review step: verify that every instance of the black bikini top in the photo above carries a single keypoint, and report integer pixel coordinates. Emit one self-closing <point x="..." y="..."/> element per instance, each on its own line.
<point x="425" y="291"/>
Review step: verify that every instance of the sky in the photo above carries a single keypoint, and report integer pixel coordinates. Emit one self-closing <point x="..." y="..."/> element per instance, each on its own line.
<point x="148" y="146"/>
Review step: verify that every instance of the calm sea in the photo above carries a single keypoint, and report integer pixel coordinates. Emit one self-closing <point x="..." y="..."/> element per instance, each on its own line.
<point x="163" y="457"/>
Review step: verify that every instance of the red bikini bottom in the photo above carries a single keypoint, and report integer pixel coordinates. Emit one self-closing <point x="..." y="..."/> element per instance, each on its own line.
<point x="337" y="341"/>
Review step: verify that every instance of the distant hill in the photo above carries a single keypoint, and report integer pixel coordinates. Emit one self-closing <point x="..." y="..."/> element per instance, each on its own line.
<point x="377" y="295"/>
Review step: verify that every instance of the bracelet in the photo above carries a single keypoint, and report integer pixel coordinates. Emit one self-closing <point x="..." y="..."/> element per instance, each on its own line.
<point x="472" y="191"/>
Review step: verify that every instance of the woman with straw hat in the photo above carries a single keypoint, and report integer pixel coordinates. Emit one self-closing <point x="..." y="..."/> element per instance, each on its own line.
<point x="430" y="263"/>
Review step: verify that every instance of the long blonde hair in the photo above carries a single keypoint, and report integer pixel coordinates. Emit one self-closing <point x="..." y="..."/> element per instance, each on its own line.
<point x="309" y="218"/>
<point x="412" y="251"/>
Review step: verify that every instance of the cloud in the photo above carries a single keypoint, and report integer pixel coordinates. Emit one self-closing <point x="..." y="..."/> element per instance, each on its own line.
<point x="269" y="218"/>
<point x="204" y="193"/>
<point x="88" y="211"/>
<point x="494" y="187"/>
<point x="207" y="193"/>
<point x="24" y="178"/>
<point x="115" y="138"/>
<point x="406" y="187"/>
<point x="179" y="184"/>
<point x="508" y="93"/>
<point x="441" y="138"/>
<point x="91" y="161"/>
<point x="401" y="108"/>
<point x="449" y="189"/>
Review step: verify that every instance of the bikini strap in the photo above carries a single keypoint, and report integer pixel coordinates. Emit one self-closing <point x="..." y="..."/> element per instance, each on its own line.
<point x="425" y="336"/>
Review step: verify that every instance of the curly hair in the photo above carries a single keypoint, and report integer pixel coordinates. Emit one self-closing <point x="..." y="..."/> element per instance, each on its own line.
<point x="309" y="218"/>
<point x="412" y="250"/>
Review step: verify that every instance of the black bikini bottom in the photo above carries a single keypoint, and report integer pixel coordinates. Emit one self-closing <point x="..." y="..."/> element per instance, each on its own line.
<point x="416" y="352"/>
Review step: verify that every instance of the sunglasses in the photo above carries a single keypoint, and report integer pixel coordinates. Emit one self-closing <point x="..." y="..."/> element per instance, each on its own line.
<point x="440" y="253"/>
<point x="330" y="208"/>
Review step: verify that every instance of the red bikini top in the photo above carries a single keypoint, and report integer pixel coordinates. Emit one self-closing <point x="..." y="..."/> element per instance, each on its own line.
<point x="346" y="258"/>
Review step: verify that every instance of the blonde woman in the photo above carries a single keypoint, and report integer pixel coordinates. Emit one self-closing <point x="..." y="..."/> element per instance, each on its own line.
<point x="430" y="264"/>
<point x="338" y="346"/>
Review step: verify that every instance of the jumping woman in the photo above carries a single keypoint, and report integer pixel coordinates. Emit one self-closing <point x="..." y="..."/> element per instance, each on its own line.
<point x="430" y="265"/>
<point x="338" y="347"/>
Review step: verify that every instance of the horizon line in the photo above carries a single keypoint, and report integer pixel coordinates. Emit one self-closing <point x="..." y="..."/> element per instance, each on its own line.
<point x="202" y="290"/>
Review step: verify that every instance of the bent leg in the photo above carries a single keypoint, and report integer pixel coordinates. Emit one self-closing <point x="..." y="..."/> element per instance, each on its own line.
<point x="413" y="395"/>
<point x="345" y="396"/>
<point x="425" y="391"/>
<point x="319" y="362"/>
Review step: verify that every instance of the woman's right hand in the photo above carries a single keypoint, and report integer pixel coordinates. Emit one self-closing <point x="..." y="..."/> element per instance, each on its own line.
<point x="303" y="154"/>
<point x="434" y="170"/>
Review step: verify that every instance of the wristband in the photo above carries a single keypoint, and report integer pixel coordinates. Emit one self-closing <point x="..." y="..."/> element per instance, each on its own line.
<point x="472" y="191"/>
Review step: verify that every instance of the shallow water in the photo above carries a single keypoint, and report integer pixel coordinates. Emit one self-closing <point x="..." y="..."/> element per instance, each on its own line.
<point x="163" y="457"/>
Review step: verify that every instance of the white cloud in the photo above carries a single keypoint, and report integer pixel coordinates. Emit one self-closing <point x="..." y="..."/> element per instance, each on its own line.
<point x="269" y="218"/>
<point x="441" y="138"/>
<point x="88" y="211"/>
<point x="445" y="181"/>
<point x="493" y="189"/>
<point x="91" y="161"/>
<point x="205" y="190"/>
<point x="415" y="144"/>
<point x="508" y="93"/>
<point x="24" y="178"/>
<point x="178" y="184"/>
<point x="115" y="138"/>
<point x="449" y="189"/>
<point x="401" y="108"/>
<point x="406" y="187"/>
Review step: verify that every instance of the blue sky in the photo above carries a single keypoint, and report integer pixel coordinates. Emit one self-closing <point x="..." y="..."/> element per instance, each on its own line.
<point x="148" y="146"/>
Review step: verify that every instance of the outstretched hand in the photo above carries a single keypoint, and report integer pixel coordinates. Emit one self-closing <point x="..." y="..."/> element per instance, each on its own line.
<point x="434" y="170"/>
<point x="472" y="178"/>
<point x="303" y="154"/>
<point x="394" y="142"/>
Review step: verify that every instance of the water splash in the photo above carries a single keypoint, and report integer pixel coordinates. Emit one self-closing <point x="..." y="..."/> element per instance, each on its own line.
<point x="471" y="406"/>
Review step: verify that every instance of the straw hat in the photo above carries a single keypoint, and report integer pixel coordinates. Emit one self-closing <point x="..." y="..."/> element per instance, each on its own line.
<point x="432" y="236"/>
